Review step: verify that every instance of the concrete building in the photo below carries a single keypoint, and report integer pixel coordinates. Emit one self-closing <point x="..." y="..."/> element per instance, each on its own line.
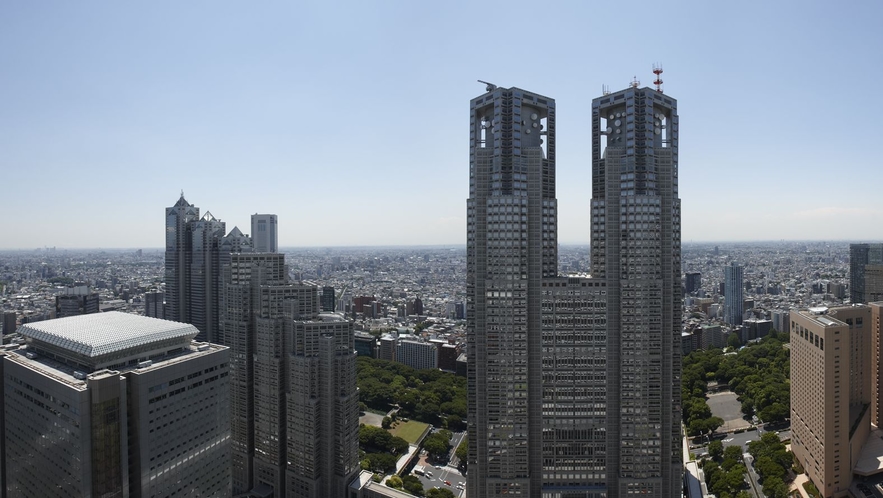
<point x="196" y="251"/>
<point x="832" y="380"/>
<point x="692" y="282"/>
<point x="733" y="294"/>
<point x="278" y="343"/>
<point x="755" y="328"/>
<point x="636" y="249"/>
<point x="387" y="348"/>
<point x="781" y="321"/>
<point x="328" y="299"/>
<point x="416" y="353"/>
<point x="365" y="344"/>
<point x="114" y="404"/>
<point x="511" y="245"/>
<point x="9" y="322"/>
<point x="264" y="232"/>
<point x="76" y="300"/>
<point x="154" y="305"/>
<point x="447" y="357"/>
<point x="865" y="272"/>
<point x="323" y="408"/>
<point x="532" y="432"/>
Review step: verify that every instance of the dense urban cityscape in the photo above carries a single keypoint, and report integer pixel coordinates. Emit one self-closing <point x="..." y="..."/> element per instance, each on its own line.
<point x="514" y="366"/>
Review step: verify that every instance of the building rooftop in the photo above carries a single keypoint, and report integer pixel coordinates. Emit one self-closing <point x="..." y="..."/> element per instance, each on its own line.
<point x="102" y="333"/>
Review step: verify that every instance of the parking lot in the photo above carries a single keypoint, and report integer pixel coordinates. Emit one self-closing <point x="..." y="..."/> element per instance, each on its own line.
<point x="726" y="406"/>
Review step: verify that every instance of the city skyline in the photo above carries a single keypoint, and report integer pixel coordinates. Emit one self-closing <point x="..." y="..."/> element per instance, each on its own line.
<point x="314" y="97"/>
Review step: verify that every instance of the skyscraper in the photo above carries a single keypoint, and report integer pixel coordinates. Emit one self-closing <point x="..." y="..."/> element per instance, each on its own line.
<point x="196" y="250"/>
<point x="263" y="232"/>
<point x="733" y="294"/>
<point x="636" y="250"/>
<point x="573" y="383"/>
<point x="865" y="272"/>
<point x="294" y="401"/>
<point x="832" y="387"/>
<point x="511" y="245"/>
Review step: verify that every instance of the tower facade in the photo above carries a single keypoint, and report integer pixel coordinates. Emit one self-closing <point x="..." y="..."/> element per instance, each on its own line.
<point x="196" y="251"/>
<point x="733" y="294"/>
<point x="511" y="245"/>
<point x="263" y="232"/>
<point x="138" y="407"/>
<point x="294" y="401"/>
<point x="865" y="273"/>
<point x="832" y="387"/>
<point x="636" y="251"/>
<point x="574" y="383"/>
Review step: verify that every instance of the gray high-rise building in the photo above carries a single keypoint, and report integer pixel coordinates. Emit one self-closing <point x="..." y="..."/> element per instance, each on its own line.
<point x="115" y="405"/>
<point x="511" y="245"/>
<point x="294" y="401"/>
<point x="733" y="294"/>
<point x="573" y="383"/>
<point x="154" y="305"/>
<point x="264" y="233"/>
<point x="196" y="251"/>
<point x="865" y="273"/>
<point x="76" y="300"/>
<point x="636" y="250"/>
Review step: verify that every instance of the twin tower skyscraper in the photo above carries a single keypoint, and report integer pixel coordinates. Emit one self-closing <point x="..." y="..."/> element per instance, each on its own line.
<point x="574" y="382"/>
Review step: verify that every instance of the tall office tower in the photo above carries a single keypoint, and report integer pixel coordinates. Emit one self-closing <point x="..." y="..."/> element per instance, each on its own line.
<point x="262" y="313"/>
<point x="153" y="304"/>
<point x="328" y="298"/>
<point x="9" y="322"/>
<point x="263" y="232"/>
<point x="76" y="300"/>
<point x="511" y="245"/>
<point x="196" y="251"/>
<point x="831" y="390"/>
<point x="323" y="407"/>
<point x="693" y="282"/>
<point x="733" y="294"/>
<point x="865" y="272"/>
<point x="206" y="234"/>
<point x="177" y="261"/>
<point x="113" y="405"/>
<point x="242" y="276"/>
<point x="636" y="250"/>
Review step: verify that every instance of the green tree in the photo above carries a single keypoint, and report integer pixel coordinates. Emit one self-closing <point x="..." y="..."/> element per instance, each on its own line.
<point x="716" y="449"/>
<point x="733" y="340"/>
<point x="386" y="423"/>
<point x="774" y="487"/>
<point x="733" y="452"/>
<point x="437" y="445"/>
<point x="412" y="485"/>
<point x="394" y="482"/>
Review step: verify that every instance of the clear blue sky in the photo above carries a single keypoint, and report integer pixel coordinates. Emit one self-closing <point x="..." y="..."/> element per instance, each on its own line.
<point x="350" y="119"/>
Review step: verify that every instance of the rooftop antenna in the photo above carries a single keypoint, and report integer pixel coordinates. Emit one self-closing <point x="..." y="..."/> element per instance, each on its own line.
<point x="182" y="192"/>
<point x="635" y="82"/>
<point x="657" y="70"/>
<point x="490" y="86"/>
<point x="605" y="90"/>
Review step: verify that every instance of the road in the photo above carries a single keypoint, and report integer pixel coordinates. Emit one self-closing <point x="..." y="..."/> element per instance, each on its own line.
<point x="756" y="488"/>
<point x="440" y="474"/>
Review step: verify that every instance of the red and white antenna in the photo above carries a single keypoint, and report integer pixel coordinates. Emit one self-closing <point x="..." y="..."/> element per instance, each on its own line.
<point x="657" y="70"/>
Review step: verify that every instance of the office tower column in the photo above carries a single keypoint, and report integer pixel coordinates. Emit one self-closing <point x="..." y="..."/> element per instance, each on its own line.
<point x="865" y="272"/>
<point x="733" y="294"/>
<point x="511" y="245"/>
<point x="323" y="407"/>
<point x="204" y="283"/>
<point x="636" y="249"/>
<point x="177" y="260"/>
<point x="263" y="232"/>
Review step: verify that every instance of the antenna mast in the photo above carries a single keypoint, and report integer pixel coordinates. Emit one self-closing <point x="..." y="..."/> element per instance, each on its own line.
<point x="657" y="70"/>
